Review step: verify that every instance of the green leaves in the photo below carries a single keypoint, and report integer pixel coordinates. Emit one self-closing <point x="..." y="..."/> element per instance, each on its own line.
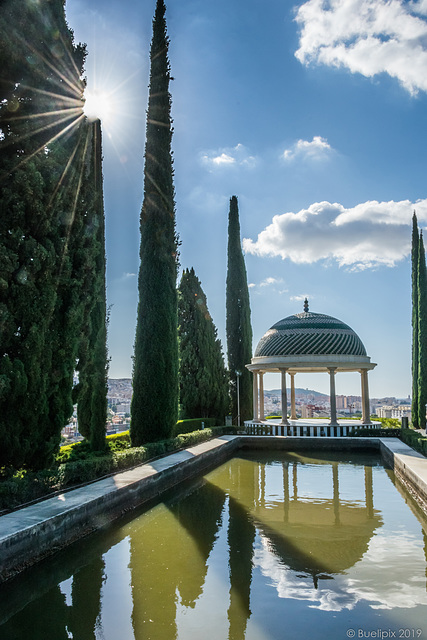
<point x="155" y="374"/>
<point x="238" y="325"/>
<point x="202" y="375"/>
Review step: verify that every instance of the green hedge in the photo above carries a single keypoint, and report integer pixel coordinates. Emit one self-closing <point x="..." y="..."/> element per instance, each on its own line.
<point x="194" y="424"/>
<point x="77" y="464"/>
<point x="415" y="440"/>
<point x="375" y="433"/>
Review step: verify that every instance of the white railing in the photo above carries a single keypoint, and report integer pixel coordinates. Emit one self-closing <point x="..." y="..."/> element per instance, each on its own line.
<point x="310" y="430"/>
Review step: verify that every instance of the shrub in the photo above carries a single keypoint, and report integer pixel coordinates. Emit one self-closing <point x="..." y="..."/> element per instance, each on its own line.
<point x="415" y="440"/>
<point x="78" y="464"/>
<point x="375" y="433"/>
<point x="389" y="423"/>
<point x="119" y="441"/>
<point x="193" y="424"/>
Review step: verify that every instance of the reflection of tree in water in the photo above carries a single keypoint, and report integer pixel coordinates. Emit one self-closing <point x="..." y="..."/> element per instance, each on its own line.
<point x="44" y="618"/>
<point x="169" y="555"/>
<point x="241" y="536"/>
<point x="202" y="518"/>
<point x="86" y="597"/>
<point x="425" y="551"/>
<point x="36" y="609"/>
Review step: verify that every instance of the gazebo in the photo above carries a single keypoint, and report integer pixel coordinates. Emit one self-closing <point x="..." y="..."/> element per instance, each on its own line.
<point x="309" y="343"/>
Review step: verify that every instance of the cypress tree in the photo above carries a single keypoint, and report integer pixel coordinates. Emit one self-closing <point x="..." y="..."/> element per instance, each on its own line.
<point x="422" y="335"/>
<point x="415" y="364"/>
<point x="238" y="322"/>
<point x="91" y="392"/>
<point x="37" y="202"/>
<point x="203" y="379"/>
<point x="154" y="407"/>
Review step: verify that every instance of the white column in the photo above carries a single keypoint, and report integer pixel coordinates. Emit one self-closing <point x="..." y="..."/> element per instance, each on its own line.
<point x="366" y="414"/>
<point x="293" y="412"/>
<point x="261" y="395"/>
<point x="332" y="394"/>
<point x="284" y="398"/>
<point x="255" y="394"/>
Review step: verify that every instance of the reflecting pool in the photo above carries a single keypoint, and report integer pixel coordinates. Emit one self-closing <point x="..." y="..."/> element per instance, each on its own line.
<point x="268" y="546"/>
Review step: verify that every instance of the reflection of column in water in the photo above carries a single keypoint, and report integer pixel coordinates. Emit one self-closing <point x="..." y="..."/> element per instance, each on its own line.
<point x="86" y="598"/>
<point x="335" y="481"/>
<point x="295" y="480"/>
<point x="241" y="536"/>
<point x="285" y="491"/>
<point x="369" y="492"/>
<point x="262" y="485"/>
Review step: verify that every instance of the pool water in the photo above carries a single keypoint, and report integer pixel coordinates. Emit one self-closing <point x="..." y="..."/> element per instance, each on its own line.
<point x="268" y="546"/>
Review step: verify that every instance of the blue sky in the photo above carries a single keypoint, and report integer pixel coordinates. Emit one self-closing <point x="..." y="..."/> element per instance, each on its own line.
<point x="314" y="114"/>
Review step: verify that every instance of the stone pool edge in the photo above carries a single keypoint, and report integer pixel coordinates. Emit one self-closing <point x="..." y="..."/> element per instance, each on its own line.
<point x="34" y="532"/>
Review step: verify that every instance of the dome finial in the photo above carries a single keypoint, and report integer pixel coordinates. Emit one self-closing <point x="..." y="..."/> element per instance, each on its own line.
<point x="306" y="305"/>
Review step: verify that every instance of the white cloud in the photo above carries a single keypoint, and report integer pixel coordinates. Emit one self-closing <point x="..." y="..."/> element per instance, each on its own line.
<point x="223" y="159"/>
<point x="269" y="282"/>
<point x="368" y="235"/>
<point x="317" y="149"/>
<point x="419" y="7"/>
<point x="367" y="37"/>
<point x="373" y="580"/>
<point x="301" y="297"/>
<point x="234" y="156"/>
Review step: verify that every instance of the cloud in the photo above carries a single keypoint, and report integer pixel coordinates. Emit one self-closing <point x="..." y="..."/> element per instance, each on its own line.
<point x="268" y="282"/>
<point x="237" y="156"/>
<point x="317" y="149"/>
<point x="367" y="37"/>
<point x="371" y="234"/>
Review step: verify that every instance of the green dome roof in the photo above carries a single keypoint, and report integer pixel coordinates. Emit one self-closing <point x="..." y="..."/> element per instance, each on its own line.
<point x="310" y="333"/>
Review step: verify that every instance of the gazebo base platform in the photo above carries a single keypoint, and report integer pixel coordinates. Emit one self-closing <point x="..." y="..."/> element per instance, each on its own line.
<point x="307" y="427"/>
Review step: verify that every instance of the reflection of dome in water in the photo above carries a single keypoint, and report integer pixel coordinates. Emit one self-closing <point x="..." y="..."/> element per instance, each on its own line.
<point x="327" y="548"/>
<point x="310" y="333"/>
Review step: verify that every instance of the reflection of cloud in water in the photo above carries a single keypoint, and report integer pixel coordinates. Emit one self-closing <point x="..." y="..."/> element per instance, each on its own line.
<point x="380" y="576"/>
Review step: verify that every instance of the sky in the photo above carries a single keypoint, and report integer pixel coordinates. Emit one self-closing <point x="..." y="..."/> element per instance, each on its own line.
<point x="313" y="113"/>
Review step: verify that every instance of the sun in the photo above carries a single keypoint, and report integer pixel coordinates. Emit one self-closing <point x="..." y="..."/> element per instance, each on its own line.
<point x="98" y="105"/>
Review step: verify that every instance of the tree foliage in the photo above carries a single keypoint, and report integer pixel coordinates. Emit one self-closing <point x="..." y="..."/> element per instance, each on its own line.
<point x="238" y="321"/>
<point x="41" y="126"/>
<point x="154" y="407"/>
<point x="422" y="336"/>
<point x="415" y="363"/>
<point x="203" y="379"/>
<point x="91" y="392"/>
<point x="51" y="231"/>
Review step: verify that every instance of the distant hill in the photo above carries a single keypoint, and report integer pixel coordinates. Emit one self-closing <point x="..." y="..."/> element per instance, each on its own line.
<point x="299" y="393"/>
<point x="122" y="388"/>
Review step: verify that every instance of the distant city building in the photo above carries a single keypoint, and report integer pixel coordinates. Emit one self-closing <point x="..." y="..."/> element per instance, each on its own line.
<point x="394" y="411"/>
<point x="384" y="411"/>
<point x="123" y="407"/>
